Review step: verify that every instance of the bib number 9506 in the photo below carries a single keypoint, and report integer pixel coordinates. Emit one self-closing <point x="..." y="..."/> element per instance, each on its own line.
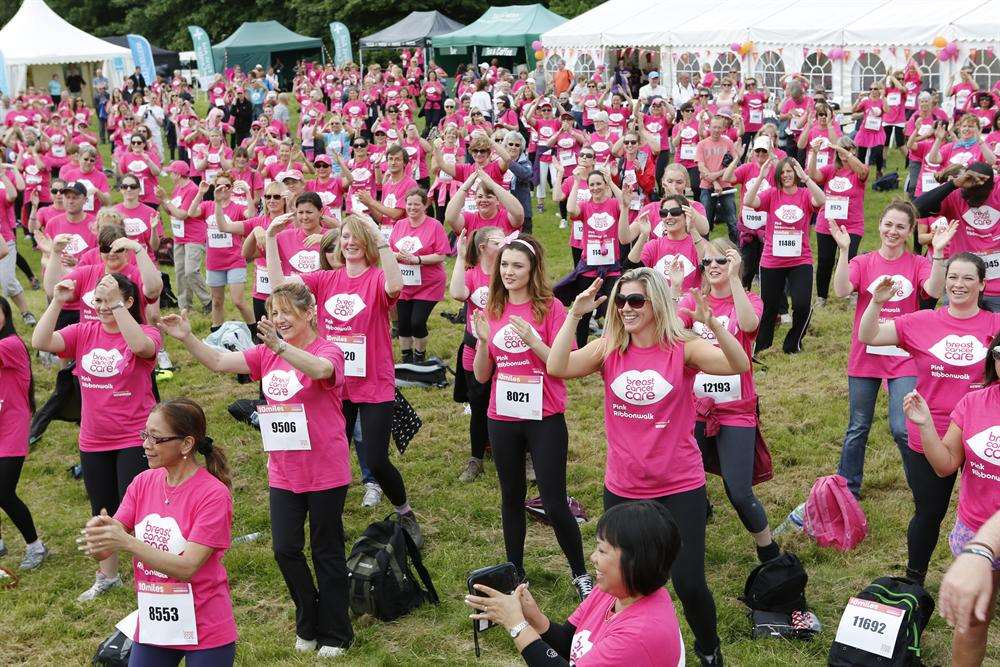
<point x="283" y="427"/>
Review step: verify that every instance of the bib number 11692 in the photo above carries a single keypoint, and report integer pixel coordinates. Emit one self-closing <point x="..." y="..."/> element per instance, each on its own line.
<point x="870" y="626"/>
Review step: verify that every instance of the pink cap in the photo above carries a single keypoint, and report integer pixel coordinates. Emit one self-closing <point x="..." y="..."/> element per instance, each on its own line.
<point x="291" y="173"/>
<point x="178" y="167"/>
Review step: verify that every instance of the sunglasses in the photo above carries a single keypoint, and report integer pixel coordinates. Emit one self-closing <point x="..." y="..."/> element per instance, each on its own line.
<point x="361" y="145"/>
<point x="272" y="197"/>
<point x="996" y="353"/>
<point x="635" y="301"/>
<point x="106" y="249"/>
<point x="686" y="110"/>
<point x="587" y="156"/>
<point x="477" y="151"/>
<point x="629" y="141"/>
<point x="129" y="186"/>
<point x="322" y="165"/>
<point x="721" y="261"/>
<point x="136" y="143"/>
<point x="55" y="191"/>
<point x="672" y="212"/>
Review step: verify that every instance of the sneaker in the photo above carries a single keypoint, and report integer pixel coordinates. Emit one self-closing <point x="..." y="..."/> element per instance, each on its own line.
<point x="713" y="660"/>
<point x="30" y="319"/>
<point x="163" y="360"/>
<point x="35" y="285"/>
<point x="331" y="651"/>
<point x="562" y="224"/>
<point x="786" y="319"/>
<point x="102" y="585"/>
<point x="584" y="584"/>
<point x="34" y="558"/>
<point x="541" y="207"/>
<point x="473" y="469"/>
<point x="304" y="645"/>
<point x="206" y="308"/>
<point x="467" y="410"/>
<point x="820" y="302"/>
<point x="529" y="468"/>
<point x="373" y="495"/>
<point x="409" y="523"/>
<point x="407" y="356"/>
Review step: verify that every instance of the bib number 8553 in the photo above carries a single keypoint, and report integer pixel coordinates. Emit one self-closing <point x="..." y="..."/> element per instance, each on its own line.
<point x="163" y="614"/>
<point x="283" y="427"/>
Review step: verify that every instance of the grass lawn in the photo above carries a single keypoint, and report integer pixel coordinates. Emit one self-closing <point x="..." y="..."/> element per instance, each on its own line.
<point x="804" y="409"/>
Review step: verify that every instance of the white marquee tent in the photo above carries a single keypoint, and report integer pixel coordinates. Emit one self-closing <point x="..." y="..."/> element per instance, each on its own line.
<point x="38" y="38"/>
<point x="789" y="36"/>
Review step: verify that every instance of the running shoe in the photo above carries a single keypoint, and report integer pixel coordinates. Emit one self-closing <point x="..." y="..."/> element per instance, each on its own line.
<point x="373" y="495"/>
<point x="304" y="645"/>
<point x="34" y="558"/>
<point x="409" y="523"/>
<point x="562" y="224"/>
<point x="331" y="651"/>
<point x="713" y="660"/>
<point x="584" y="584"/>
<point x="820" y="302"/>
<point x="473" y="469"/>
<point x="541" y="207"/>
<point x="30" y="319"/>
<point x="102" y="585"/>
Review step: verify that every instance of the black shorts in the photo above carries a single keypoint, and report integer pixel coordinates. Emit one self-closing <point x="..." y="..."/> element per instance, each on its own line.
<point x="66" y="318"/>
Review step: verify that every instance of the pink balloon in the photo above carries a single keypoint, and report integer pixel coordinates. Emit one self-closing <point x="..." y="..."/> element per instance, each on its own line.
<point x="735" y="46"/>
<point x="537" y="44"/>
<point x="836" y="54"/>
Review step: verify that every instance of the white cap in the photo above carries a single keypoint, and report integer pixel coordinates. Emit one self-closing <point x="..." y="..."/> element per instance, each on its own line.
<point x="762" y="142"/>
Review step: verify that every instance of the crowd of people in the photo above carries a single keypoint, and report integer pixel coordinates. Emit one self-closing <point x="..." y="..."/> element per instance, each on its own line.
<point x="348" y="216"/>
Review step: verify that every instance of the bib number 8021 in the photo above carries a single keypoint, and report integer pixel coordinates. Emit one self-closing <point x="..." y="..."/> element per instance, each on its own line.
<point x="517" y="396"/>
<point x="869" y="624"/>
<point x="283" y="427"/>
<point x="163" y="614"/>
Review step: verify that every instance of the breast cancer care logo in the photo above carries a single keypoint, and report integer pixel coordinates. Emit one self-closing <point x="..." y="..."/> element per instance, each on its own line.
<point x="135" y="226"/>
<point x="163" y="534"/>
<point x="507" y="340"/>
<point x="344" y="307"/>
<point x="641" y="387"/>
<point x="281" y="385"/>
<point x="480" y="296"/>
<point x="601" y="221"/>
<point x="663" y="266"/>
<point x="981" y="217"/>
<point x="959" y="350"/>
<point x="305" y="261"/>
<point x="840" y="184"/>
<point x="904" y="288"/>
<point x="102" y="363"/>
<point x="789" y="213"/>
<point x="409" y="244"/>
<point x="986" y="445"/>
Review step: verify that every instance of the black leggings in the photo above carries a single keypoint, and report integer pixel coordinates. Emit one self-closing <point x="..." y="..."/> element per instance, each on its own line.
<point x="10" y="473"/>
<point x="321" y="607"/>
<point x="583" y="326"/>
<point x="826" y="258"/>
<point x="376" y="424"/>
<point x="413" y="315"/>
<point x="874" y="156"/>
<point x="479" y="401"/>
<point x="695" y="177"/>
<point x="773" y="282"/>
<point x="259" y="309"/>
<point x="733" y="447"/>
<point x="750" y="252"/>
<point x="547" y="441"/>
<point x="106" y="475"/>
<point x="25" y="268"/>
<point x="931" y="496"/>
<point x="688" y="573"/>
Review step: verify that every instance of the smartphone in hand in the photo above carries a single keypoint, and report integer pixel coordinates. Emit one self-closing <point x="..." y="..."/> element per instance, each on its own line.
<point x="502" y="578"/>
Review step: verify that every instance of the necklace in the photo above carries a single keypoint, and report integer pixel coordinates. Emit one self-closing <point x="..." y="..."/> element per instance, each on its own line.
<point x="168" y="494"/>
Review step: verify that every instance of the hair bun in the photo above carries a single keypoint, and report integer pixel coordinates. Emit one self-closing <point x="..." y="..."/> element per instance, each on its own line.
<point x="205" y="446"/>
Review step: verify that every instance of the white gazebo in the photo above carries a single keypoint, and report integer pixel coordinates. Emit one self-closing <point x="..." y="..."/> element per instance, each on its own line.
<point x="37" y="42"/>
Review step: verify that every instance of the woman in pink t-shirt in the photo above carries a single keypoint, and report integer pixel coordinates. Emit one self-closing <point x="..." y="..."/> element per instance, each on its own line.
<point x="947" y="346"/>
<point x="969" y="146"/>
<point x="678" y="246"/>
<point x="628" y="619"/>
<point x="470" y="284"/>
<point x="527" y="405"/>
<point x="140" y="221"/>
<point x="176" y="521"/>
<point x="648" y="363"/>
<point x="421" y="246"/>
<point x="869" y="366"/>
<point x="17" y="404"/>
<point x="561" y="186"/>
<point x="870" y="134"/>
<point x="972" y="444"/>
<point x="786" y="262"/>
<point x="308" y="464"/>
<point x="493" y="206"/>
<point x="275" y="203"/>
<point x="114" y="364"/>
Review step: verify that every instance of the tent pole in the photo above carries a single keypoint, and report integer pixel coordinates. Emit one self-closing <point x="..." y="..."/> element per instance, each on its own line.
<point x="361" y="58"/>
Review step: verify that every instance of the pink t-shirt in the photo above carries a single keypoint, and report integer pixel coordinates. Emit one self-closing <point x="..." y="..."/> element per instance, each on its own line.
<point x="978" y="232"/>
<point x="710" y="152"/>
<point x="116" y="386"/>
<point x="15" y="410"/>
<point x="978" y="415"/>
<point x="866" y="271"/>
<point x="660" y="253"/>
<point x="726" y="388"/>
<point x="689" y="134"/>
<point x="752" y="110"/>
<point x="200" y="512"/>
<point x="296" y="257"/>
<point x="353" y="313"/>
<point x="649" y="421"/>
<point x="582" y="195"/>
<point x="644" y="634"/>
<point x="193" y="228"/>
<point x="844" y="189"/>
<point x="224" y="250"/>
<point x="652" y="210"/>
<point x="326" y="465"/>
<point x="786" y="234"/>
<point x="951" y="153"/>
<point x="139" y="224"/>
<point x="825" y="155"/>
<point x="600" y="234"/>
<point x="331" y="193"/>
<point x="895" y="100"/>
<point x="948" y="354"/>
<point x="97" y="179"/>
<point x="394" y="196"/>
<point x="516" y="364"/>
<point x="871" y="131"/>
<point x="477" y="282"/>
<point x="751" y="220"/>
<point x="134" y="164"/>
<point x="82" y="234"/>
<point x="87" y="276"/>
<point x="262" y="284"/>
<point x="473" y="220"/>
<point x="421" y="281"/>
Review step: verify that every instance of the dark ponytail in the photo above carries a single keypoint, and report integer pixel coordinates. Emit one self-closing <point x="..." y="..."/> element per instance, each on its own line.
<point x="187" y="420"/>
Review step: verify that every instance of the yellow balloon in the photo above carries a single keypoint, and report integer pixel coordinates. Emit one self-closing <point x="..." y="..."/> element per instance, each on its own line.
<point x="940" y="42"/>
<point x="539" y="55"/>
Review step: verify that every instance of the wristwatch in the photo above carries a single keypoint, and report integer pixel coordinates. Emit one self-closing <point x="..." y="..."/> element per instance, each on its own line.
<point x="518" y="629"/>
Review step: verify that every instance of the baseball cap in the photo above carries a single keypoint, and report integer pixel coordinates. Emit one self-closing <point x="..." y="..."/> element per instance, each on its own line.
<point x="566" y="114"/>
<point x="77" y="187"/>
<point x="654" y="75"/>
<point x="178" y="167"/>
<point x="293" y="174"/>
<point x="323" y="157"/>
<point x="762" y="142"/>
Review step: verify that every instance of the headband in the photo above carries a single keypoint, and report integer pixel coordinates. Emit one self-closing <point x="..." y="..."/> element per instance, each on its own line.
<point x="513" y="238"/>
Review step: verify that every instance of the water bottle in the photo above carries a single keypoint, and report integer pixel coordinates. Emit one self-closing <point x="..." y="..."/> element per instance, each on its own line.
<point x="793" y="522"/>
<point x="250" y="537"/>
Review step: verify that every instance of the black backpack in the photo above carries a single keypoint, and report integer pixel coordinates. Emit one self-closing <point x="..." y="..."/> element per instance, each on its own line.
<point x="379" y="580"/>
<point x="888" y="182"/>
<point x="113" y="651"/>
<point x="917" y="606"/>
<point x="778" y="585"/>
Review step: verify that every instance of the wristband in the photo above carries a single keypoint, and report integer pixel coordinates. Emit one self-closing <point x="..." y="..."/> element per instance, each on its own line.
<point x="983" y="545"/>
<point x="117" y="306"/>
<point x="978" y="551"/>
<point x="383" y="246"/>
<point x="938" y="259"/>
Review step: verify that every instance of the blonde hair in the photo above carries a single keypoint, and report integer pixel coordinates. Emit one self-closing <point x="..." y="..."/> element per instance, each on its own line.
<point x="480" y="141"/>
<point x="666" y="324"/>
<point x="362" y="235"/>
<point x="297" y="297"/>
<point x="478" y="238"/>
<point x="109" y="216"/>
<point x="718" y="245"/>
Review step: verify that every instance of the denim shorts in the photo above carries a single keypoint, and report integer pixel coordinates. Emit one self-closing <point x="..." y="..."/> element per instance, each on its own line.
<point x="236" y="276"/>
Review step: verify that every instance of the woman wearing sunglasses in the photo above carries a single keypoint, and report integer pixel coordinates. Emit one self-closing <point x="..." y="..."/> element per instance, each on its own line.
<point x="648" y="362"/>
<point x="752" y="101"/>
<point x="635" y="169"/>
<point x="870" y="136"/>
<point x="684" y="140"/>
<point x="948" y="346"/>
<point x="561" y="188"/>
<point x="175" y="520"/>
<point x="677" y="247"/>
<point x="141" y="222"/>
<point x="365" y="175"/>
<point x="115" y="357"/>
<point x="820" y="135"/>
<point x="137" y="161"/>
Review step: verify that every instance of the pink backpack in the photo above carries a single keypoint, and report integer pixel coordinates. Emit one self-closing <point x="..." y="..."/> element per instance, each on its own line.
<point x="833" y="516"/>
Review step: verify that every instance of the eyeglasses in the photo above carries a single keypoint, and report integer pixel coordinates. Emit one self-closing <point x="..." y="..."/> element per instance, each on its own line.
<point x="478" y="151"/>
<point x="322" y="165"/>
<point x="686" y="110"/>
<point x="136" y="143"/>
<point x="721" y="261"/>
<point x="360" y="145"/>
<point x="129" y="186"/>
<point x="672" y="212"/>
<point x="55" y="191"/>
<point x="272" y="197"/>
<point x="513" y="144"/>
<point x="88" y="159"/>
<point x="635" y="301"/>
<point x="158" y="440"/>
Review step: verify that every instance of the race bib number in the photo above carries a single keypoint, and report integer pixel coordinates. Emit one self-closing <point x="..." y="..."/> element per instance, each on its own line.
<point x="177" y="227"/>
<point x="720" y="388"/>
<point x="353" y="348"/>
<point x="356" y="205"/>
<point x="822" y="159"/>
<point x="756" y="115"/>
<point x="754" y="219"/>
<point x="567" y="158"/>
<point x="284" y="427"/>
<point x="911" y="101"/>
<point x="886" y="351"/>
<point x="786" y="243"/>
<point x="836" y="208"/>
<point x="578" y="229"/>
<point x="870" y="626"/>
<point x="873" y="123"/>
<point x="519" y="396"/>
<point x="688" y="151"/>
<point x="262" y="283"/>
<point x="166" y="614"/>
<point x="600" y="252"/>
<point x="992" y="261"/>
<point x="893" y="99"/>
<point x="210" y="175"/>
<point x="217" y="239"/>
<point x="927" y="181"/>
<point x="469" y="205"/>
<point x="411" y="274"/>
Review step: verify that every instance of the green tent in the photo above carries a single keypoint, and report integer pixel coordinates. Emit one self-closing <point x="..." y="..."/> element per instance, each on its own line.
<point x="504" y="32"/>
<point x="256" y="43"/>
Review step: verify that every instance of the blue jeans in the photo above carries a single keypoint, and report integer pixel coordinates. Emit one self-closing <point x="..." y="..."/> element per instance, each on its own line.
<point x="863" y="393"/>
<point x="366" y="474"/>
<point x="720" y="209"/>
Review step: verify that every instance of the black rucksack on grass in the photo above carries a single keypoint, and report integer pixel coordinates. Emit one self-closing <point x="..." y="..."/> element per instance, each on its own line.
<point x="778" y="585"/>
<point x="917" y="606"/>
<point x="379" y="580"/>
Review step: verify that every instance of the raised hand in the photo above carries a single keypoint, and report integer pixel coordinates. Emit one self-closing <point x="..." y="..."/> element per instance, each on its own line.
<point x="174" y="325"/>
<point x="480" y="326"/>
<point x="915" y="408"/>
<point x="840" y="235"/>
<point x="943" y="235"/>
<point x="884" y="290"/>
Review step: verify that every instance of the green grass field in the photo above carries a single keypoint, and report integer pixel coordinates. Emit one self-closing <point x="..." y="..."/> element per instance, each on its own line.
<point x="804" y="408"/>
